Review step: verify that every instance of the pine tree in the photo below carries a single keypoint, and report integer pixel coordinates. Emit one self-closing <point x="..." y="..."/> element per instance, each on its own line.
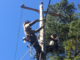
<point x="63" y="26"/>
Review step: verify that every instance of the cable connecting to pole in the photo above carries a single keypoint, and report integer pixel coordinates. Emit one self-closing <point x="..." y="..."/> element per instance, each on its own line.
<point x="47" y="8"/>
<point x="18" y="35"/>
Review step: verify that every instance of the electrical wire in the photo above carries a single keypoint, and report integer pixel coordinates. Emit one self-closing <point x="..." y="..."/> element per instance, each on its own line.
<point x="18" y="35"/>
<point x="47" y="8"/>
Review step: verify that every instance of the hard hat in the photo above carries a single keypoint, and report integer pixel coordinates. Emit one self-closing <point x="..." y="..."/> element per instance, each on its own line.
<point x="26" y="22"/>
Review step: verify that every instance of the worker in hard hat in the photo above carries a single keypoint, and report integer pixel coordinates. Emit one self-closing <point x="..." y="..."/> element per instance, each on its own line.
<point x="53" y="45"/>
<point x="30" y="35"/>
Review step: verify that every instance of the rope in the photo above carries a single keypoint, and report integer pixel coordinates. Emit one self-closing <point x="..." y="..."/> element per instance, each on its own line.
<point x="28" y="51"/>
<point x="18" y="35"/>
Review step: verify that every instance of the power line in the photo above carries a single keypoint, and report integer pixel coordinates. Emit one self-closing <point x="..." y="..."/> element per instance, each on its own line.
<point x="18" y="35"/>
<point x="47" y="8"/>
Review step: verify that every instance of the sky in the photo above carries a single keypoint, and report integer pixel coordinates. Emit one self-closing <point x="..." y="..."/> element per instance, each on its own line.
<point x="10" y="14"/>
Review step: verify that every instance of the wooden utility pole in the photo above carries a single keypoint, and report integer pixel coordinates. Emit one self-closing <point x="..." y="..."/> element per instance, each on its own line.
<point x="42" y="32"/>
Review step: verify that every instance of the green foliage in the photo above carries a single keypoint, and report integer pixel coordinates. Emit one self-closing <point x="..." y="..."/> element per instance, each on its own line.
<point x="72" y="48"/>
<point x="79" y="7"/>
<point x="74" y="29"/>
<point x="79" y="10"/>
<point x="67" y="27"/>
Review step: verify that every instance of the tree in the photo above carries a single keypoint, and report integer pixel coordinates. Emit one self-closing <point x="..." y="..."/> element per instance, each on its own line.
<point x="79" y="10"/>
<point x="61" y="25"/>
<point x="72" y="46"/>
<point x="79" y="7"/>
<point x="74" y="29"/>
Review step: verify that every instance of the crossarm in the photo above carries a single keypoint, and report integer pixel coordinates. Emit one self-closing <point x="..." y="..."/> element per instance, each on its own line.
<point x="22" y="6"/>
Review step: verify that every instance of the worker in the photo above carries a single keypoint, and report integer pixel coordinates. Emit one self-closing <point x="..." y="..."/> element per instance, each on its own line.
<point x="53" y="45"/>
<point x="30" y="36"/>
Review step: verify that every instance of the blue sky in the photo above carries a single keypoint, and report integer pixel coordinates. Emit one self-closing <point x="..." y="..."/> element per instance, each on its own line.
<point x="10" y="13"/>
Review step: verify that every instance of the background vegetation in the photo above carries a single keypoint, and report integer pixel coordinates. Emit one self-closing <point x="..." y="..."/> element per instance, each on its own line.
<point x="67" y="27"/>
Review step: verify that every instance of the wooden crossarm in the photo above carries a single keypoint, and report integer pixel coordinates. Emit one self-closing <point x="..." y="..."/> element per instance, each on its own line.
<point x="22" y="6"/>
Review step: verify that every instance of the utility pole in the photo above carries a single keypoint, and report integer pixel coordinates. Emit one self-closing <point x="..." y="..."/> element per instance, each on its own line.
<point x="42" y="32"/>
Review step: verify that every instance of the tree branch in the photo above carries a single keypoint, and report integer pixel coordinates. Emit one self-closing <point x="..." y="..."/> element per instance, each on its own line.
<point x="77" y="53"/>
